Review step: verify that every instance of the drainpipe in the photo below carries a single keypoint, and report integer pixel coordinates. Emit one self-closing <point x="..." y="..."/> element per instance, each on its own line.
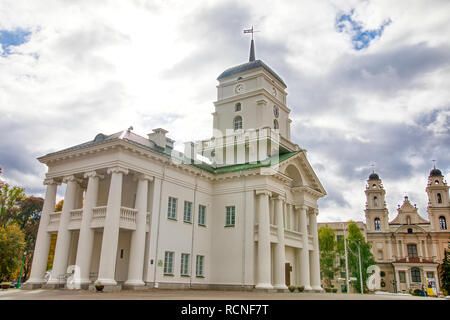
<point x="159" y="224"/>
<point x="193" y="233"/>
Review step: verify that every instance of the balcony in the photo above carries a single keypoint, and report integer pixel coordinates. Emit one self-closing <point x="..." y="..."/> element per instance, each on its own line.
<point x="127" y="219"/>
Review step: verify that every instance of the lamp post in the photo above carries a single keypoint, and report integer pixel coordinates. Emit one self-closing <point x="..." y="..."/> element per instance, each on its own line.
<point x="346" y="261"/>
<point x="21" y="269"/>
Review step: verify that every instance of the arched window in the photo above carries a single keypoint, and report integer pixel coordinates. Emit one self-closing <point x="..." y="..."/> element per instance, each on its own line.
<point x="436" y="181"/>
<point x="374" y="186"/>
<point x="442" y="223"/>
<point x="237" y="123"/>
<point x="377" y="224"/>
<point x="237" y="107"/>
<point x="415" y="274"/>
<point x="408" y="220"/>
<point x="275" y="124"/>
<point x="439" y="198"/>
<point x="375" y="201"/>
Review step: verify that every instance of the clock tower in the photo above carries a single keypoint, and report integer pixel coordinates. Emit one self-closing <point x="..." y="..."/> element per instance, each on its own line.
<point x="251" y="96"/>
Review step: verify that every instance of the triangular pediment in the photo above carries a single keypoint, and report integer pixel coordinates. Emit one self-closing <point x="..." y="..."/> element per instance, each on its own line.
<point x="299" y="163"/>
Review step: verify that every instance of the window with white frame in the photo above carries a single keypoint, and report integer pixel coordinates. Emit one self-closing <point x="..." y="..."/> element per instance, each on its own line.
<point x="199" y="266"/>
<point x="168" y="262"/>
<point x="230" y="216"/>
<point x="442" y="223"/>
<point x="202" y="215"/>
<point x="184" y="264"/>
<point x="172" y="208"/>
<point x="237" y="123"/>
<point x="187" y="217"/>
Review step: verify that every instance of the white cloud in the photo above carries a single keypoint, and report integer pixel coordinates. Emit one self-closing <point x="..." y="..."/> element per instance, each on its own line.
<point x="103" y="66"/>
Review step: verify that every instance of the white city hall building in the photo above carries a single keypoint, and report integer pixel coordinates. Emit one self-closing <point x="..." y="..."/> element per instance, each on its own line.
<point x="138" y="214"/>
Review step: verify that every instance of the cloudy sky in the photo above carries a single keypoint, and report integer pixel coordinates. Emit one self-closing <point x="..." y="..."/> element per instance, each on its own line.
<point x="368" y="82"/>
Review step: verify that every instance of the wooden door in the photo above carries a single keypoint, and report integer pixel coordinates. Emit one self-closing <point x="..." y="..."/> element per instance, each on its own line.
<point x="287" y="271"/>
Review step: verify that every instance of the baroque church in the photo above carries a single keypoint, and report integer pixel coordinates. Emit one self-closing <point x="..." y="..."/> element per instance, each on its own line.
<point x="408" y="249"/>
<point x="238" y="210"/>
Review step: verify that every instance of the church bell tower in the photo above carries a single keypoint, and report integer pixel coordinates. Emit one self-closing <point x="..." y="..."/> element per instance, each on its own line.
<point x="377" y="216"/>
<point x="438" y="200"/>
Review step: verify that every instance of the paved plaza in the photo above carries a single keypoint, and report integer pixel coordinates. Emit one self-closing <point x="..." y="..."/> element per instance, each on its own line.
<point x="166" y="294"/>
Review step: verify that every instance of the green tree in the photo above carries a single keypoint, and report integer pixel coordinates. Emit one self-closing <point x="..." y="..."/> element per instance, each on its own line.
<point x="445" y="270"/>
<point x="10" y="198"/>
<point x="355" y="238"/>
<point x="328" y="254"/>
<point x="12" y="244"/>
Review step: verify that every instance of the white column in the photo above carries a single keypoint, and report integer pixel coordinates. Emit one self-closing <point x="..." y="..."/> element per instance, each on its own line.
<point x="263" y="274"/>
<point x="407" y="278"/>
<point x="63" y="239"/>
<point x="397" y="280"/>
<point x="108" y="254"/>
<point x="390" y="249"/>
<point x="137" y="247"/>
<point x="86" y="239"/>
<point x="304" y="254"/>
<point x="315" y="262"/>
<point x="435" y="251"/>
<point x="419" y="249"/>
<point x="436" y="280"/>
<point x="152" y="239"/>
<point x="425" y="246"/>
<point x="42" y="247"/>
<point x="280" y="254"/>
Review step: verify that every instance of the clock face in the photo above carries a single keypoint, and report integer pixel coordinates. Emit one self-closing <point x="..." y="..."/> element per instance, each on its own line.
<point x="276" y="111"/>
<point x="239" y="88"/>
<point x="274" y="92"/>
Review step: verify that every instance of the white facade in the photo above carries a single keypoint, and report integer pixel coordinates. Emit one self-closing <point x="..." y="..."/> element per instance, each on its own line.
<point x="118" y="223"/>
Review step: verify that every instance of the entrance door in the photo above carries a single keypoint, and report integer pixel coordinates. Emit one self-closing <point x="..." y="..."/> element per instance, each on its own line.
<point x="287" y="271"/>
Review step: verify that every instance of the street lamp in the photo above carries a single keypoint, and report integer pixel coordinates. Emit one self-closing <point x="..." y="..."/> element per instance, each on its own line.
<point x="21" y="269"/>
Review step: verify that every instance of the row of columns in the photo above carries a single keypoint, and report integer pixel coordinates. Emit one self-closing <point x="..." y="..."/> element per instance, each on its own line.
<point x="309" y="268"/>
<point x="111" y="228"/>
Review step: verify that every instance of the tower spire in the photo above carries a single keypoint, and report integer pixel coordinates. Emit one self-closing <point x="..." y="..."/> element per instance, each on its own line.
<point x="252" y="45"/>
<point x="252" y="51"/>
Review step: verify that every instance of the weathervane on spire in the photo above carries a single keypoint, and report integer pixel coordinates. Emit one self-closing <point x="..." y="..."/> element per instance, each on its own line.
<point x="252" y="45"/>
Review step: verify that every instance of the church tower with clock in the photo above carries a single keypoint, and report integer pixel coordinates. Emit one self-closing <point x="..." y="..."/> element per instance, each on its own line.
<point x="251" y="96"/>
<point x="250" y="106"/>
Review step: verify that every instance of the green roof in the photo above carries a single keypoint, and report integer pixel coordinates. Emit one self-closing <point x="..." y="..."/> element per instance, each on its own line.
<point x="247" y="166"/>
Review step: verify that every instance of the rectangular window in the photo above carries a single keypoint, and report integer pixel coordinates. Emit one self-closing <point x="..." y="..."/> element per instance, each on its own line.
<point x="430" y="275"/>
<point x="230" y="218"/>
<point x="187" y="212"/>
<point x="342" y="262"/>
<point x="339" y="238"/>
<point x="202" y="215"/>
<point x="172" y="208"/>
<point x="199" y="266"/>
<point x="402" y="276"/>
<point x="343" y="275"/>
<point x="412" y="250"/>
<point x="168" y="262"/>
<point x="184" y="264"/>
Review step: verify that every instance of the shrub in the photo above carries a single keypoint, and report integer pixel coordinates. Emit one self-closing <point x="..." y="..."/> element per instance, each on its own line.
<point x="334" y="290"/>
<point x="291" y="288"/>
<point x="417" y="292"/>
<point x="301" y="289"/>
<point x="328" y="290"/>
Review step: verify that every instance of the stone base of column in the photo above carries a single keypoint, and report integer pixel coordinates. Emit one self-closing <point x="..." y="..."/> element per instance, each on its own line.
<point x="308" y="288"/>
<point x="317" y="289"/>
<point x="107" y="288"/>
<point x="280" y="287"/>
<point x="32" y="285"/>
<point x="263" y="286"/>
<point x="53" y="285"/>
<point x="134" y="285"/>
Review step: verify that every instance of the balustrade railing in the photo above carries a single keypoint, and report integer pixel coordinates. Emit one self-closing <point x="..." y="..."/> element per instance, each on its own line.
<point x="128" y="215"/>
<point x="54" y="217"/>
<point x="99" y="212"/>
<point x="76" y="214"/>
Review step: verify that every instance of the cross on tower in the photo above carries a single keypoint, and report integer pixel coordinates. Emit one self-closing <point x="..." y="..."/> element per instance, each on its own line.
<point x="250" y="31"/>
<point x="434" y="163"/>
<point x="373" y="166"/>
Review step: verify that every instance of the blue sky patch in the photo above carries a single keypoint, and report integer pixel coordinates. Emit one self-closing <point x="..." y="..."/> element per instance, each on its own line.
<point x="13" y="38"/>
<point x="361" y="38"/>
